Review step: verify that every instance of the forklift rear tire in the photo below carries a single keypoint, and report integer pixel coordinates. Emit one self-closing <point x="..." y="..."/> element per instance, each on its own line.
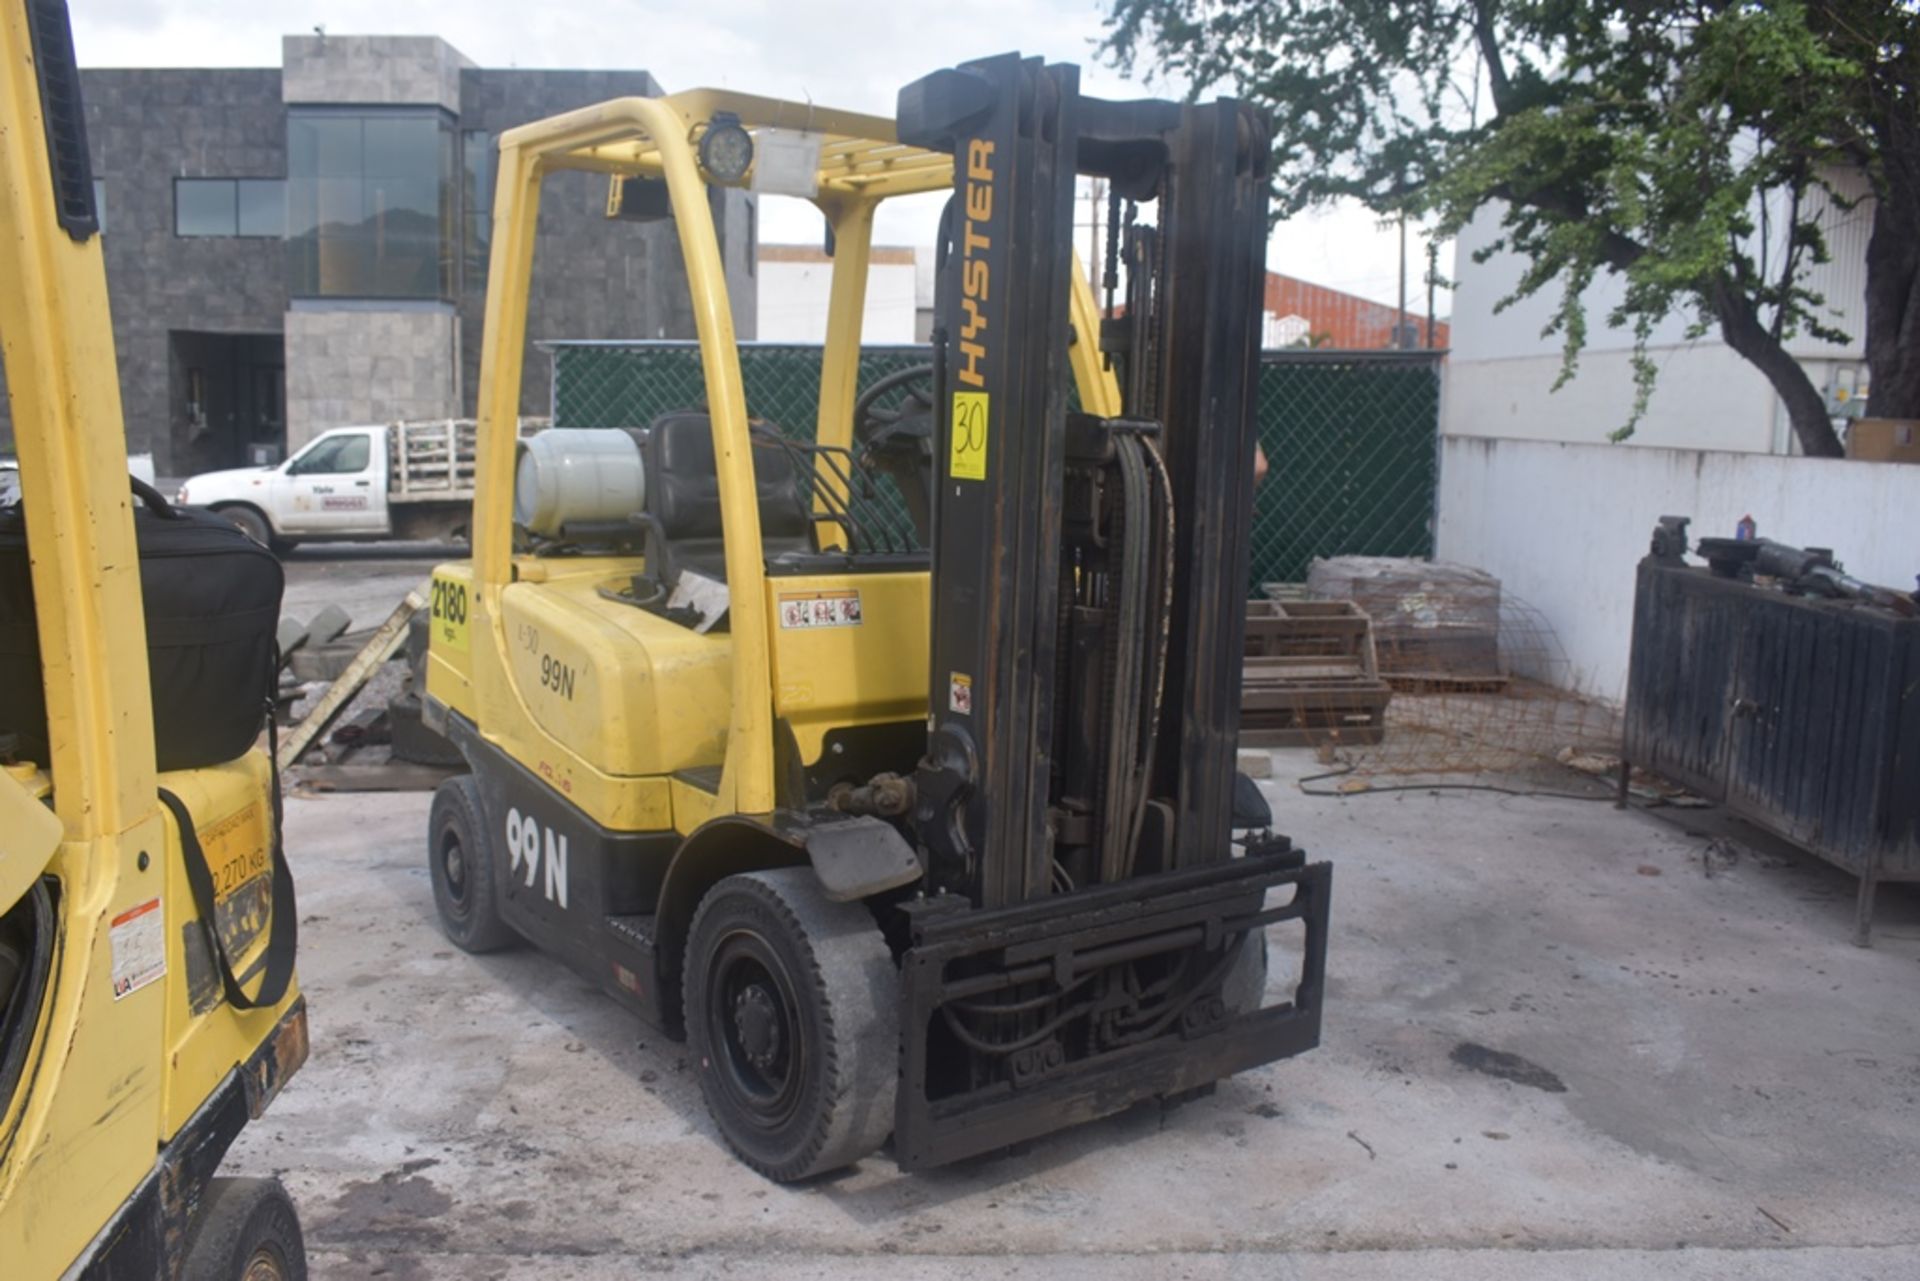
<point x="246" y="1230"/>
<point x="791" y="1009"/>
<point x="460" y="861"/>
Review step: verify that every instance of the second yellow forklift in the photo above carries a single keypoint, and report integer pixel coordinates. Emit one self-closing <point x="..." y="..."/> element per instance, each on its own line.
<point x="918" y="825"/>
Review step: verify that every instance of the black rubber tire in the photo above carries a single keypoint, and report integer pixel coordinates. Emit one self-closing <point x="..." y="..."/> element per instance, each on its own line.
<point x="1244" y="989"/>
<point x="250" y="522"/>
<point x="245" y="1230"/>
<point x="460" y="861"/>
<point x="833" y="982"/>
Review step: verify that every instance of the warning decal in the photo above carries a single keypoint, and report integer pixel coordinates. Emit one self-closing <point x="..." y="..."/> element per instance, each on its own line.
<point x="820" y="609"/>
<point x="139" y="945"/>
<point x="967" y="458"/>
<point x="960" y="693"/>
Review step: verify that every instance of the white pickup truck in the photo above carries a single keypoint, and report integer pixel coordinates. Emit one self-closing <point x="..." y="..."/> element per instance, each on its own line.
<point x="411" y="480"/>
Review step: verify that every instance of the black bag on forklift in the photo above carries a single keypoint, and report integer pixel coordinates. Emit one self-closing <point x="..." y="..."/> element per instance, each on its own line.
<point x="212" y="602"/>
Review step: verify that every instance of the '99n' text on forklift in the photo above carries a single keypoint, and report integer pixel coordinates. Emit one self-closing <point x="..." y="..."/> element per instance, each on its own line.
<point x="918" y="817"/>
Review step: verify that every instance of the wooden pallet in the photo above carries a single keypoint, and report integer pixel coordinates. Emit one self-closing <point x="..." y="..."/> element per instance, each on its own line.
<point x="1447" y="682"/>
<point x="1310" y="675"/>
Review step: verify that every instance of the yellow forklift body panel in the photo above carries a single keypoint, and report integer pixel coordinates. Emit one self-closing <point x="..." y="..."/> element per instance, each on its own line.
<point x="849" y="649"/>
<point x="118" y="1060"/>
<point x="628" y="692"/>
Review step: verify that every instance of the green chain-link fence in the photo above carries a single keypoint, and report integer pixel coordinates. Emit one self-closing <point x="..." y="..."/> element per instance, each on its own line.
<point x="1349" y="436"/>
<point x="1352" y="459"/>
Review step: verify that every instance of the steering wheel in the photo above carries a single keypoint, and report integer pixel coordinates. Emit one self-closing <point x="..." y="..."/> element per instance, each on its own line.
<point x="899" y="406"/>
<point x="893" y="431"/>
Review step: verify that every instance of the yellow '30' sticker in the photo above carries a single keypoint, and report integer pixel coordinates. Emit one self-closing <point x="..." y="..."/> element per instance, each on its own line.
<point x="967" y="458"/>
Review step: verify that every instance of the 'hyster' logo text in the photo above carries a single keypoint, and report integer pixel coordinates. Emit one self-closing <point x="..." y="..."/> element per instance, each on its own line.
<point x="973" y="263"/>
<point x="525" y="848"/>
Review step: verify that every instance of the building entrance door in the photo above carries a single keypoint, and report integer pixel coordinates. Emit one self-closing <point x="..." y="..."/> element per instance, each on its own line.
<point x="228" y="400"/>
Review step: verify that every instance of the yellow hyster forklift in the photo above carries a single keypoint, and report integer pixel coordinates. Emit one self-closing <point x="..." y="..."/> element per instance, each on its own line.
<point x="916" y="816"/>
<point x="147" y="1003"/>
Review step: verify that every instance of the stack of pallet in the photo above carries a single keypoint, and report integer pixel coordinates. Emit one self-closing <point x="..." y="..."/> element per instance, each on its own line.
<point x="1437" y="625"/>
<point x="1310" y="675"/>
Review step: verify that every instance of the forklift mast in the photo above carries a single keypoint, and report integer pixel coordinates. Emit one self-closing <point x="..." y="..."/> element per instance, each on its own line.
<point x="1088" y="572"/>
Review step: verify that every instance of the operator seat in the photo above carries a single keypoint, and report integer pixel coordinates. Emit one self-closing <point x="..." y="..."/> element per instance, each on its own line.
<point x="683" y="496"/>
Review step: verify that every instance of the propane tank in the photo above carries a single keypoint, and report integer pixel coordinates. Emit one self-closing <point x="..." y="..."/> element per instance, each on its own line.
<point x="577" y="476"/>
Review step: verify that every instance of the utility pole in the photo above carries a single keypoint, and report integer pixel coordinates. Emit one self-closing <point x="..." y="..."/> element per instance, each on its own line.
<point x="1433" y="283"/>
<point x="1400" y="321"/>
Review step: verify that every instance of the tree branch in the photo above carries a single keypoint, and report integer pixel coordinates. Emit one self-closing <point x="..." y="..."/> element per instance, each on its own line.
<point x="1618" y="251"/>
<point x="1806" y="410"/>
<point x="1488" y="39"/>
<point x="1791" y="266"/>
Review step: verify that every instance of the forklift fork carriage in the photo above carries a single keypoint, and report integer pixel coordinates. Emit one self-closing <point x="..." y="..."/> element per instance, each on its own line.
<point x="959" y="953"/>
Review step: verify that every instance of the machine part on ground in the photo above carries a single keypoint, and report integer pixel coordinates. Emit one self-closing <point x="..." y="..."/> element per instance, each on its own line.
<point x="131" y="1051"/>
<point x="938" y="821"/>
<point x="570" y="476"/>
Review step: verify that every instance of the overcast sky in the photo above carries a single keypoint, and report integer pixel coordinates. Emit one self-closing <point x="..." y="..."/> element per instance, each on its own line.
<point x="853" y="55"/>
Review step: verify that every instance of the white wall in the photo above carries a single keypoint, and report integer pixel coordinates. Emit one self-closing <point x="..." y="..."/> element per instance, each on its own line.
<point x="793" y="302"/>
<point x="1502" y="368"/>
<point x="1563" y="525"/>
<point x="1707" y="397"/>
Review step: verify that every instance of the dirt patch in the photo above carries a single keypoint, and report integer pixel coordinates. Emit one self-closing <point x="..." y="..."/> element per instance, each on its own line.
<point x="1506" y="1067"/>
<point x="396" y="1207"/>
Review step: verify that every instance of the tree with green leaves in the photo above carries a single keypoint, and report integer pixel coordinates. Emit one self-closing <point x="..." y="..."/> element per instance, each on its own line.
<point x="1693" y="149"/>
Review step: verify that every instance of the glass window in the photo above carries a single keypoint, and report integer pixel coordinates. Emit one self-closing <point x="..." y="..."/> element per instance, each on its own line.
<point x="400" y="147"/>
<point x="371" y="204"/>
<point x="262" y="204"/>
<point x="203" y="207"/>
<point x="229" y="207"/>
<point x="476" y="199"/>
<point x="323" y="146"/>
<point x="334" y="456"/>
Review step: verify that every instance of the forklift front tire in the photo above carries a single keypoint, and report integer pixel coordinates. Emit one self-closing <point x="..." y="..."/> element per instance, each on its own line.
<point x="246" y="1230"/>
<point x="460" y="861"/>
<point x="791" y="1008"/>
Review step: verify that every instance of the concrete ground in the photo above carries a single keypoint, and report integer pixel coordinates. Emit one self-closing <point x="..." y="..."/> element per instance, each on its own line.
<point x="1554" y="1046"/>
<point x="365" y="579"/>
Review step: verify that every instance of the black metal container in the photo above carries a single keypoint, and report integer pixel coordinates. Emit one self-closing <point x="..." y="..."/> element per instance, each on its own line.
<point x="1798" y="713"/>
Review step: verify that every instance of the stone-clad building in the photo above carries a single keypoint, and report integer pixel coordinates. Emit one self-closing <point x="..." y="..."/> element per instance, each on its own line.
<point x="298" y="248"/>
